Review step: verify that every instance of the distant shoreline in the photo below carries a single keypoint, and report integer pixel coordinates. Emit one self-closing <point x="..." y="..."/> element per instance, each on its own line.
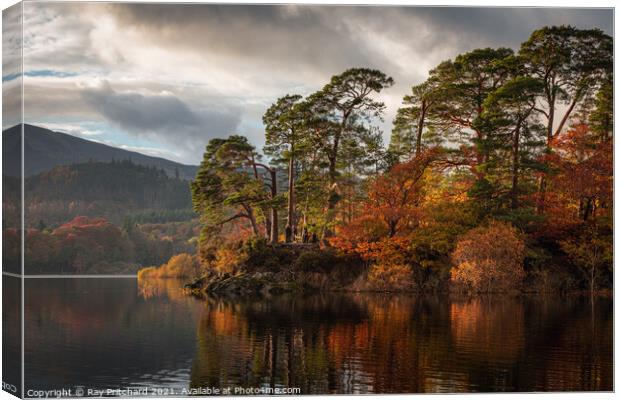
<point x="67" y="276"/>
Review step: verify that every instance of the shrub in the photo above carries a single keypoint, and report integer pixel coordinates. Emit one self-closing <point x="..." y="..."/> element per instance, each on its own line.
<point x="228" y="260"/>
<point x="489" y="258"/>
<point x="319" y="260"/>
<point x="148" y="272"/>
<point x="179" y="266"/>
<point x="391" y="277"/>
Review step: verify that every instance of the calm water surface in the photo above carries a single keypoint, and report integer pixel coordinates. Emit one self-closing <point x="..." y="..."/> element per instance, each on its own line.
<point x="120" y="333"/>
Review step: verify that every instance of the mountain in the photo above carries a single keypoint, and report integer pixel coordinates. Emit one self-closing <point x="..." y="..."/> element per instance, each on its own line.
<point x="45" y="149"/>
<point x="113" y="190"/>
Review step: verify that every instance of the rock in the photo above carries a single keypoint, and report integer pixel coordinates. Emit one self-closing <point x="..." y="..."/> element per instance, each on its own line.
<point x="261" y="283"/>
<point x="197" y="284"/>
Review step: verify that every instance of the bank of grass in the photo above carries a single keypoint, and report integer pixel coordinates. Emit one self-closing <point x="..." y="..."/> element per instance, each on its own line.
<point x="182" y="265"/>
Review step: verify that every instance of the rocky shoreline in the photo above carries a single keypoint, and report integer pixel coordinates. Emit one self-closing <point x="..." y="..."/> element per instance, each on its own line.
<point x="257" y="283"/>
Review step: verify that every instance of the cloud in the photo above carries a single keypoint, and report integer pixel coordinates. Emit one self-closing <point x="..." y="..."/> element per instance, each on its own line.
<point x="161" y="116"/>
<point x="11" y="67"/>
<point x="71" y="129"/>
<point x="179" y="74"/>
<point x="11" y="40"/>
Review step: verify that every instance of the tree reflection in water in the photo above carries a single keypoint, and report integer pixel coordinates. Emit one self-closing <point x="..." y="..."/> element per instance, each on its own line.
<point x="121" y="332"/>
<point x="368" y="343"/>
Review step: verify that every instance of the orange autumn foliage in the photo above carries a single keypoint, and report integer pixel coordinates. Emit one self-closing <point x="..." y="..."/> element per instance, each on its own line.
<point x="392" y="209"/>
<point x="489" y="258"/>
<point x="179" y="266"/>
<point x="582" y="181"/>
<point x="395" y="196"/>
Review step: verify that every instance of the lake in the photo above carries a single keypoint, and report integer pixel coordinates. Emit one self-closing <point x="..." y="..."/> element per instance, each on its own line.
<point x="118" y="333"/>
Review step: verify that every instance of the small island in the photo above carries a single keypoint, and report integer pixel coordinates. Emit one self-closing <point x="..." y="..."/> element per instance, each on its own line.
<point x="479" y="191"/>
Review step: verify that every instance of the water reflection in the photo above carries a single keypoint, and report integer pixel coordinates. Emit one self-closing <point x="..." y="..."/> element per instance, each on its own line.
<point x="110" y="333"/>
<point x="379" y="344"/>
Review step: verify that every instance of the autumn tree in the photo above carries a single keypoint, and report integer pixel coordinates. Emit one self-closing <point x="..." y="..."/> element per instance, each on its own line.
<point x="392" y="207"/>
<point x="582" y="183"/>
<point x="489" y="258"/>
<point x="395" y="196"/>
<point x="571" y="64"/>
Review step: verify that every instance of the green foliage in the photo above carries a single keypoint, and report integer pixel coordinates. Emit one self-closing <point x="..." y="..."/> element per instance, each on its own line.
<point x="601" y="118"/>
<point x="158" y="216"/>
<point x="112" y="190"/>
<point x="570" y="63"/>
<point x="227" y="186"/>
<point x="283" y="128"/>
<point x="417" y="120"/>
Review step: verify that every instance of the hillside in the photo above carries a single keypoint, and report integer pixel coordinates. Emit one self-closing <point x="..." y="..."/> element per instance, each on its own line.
<point x="111" y="190"/>
<point x="45" y="149"/>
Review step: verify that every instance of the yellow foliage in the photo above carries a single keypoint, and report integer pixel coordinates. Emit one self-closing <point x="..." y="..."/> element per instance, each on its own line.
<point x="227" y="260"/>
<point x="179" y="266"/>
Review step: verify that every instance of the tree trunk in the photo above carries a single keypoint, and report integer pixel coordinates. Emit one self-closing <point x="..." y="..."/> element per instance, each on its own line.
<point x="256" y="176"/>
<point x="333" y="158"/>
<point x="392" y="226"/>
<point x="587" y="209"/>
<point x="542" y="183"/>
<point x="331" y="200"/>
<point x="252" y="218"/>
<point x="515" y="167"/>
<point x="273" y="235"/>
<point x="267" y="212"/>
<point x="291" y="196"/>
<point x="567" y="114"/>
<point x="418" y="143"/>
<point x="551" y="119"/>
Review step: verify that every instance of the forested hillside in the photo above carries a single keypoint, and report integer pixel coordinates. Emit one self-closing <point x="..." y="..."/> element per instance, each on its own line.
<point x="86" y="245"/>
<point x="112" y="190"/>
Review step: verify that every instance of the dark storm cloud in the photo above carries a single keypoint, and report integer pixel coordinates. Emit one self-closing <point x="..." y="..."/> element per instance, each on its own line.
<point x="510" y="26"/>
<point x="306" y="37"/>
<point x="323" y="35"/>
<point x="161" y="116"/>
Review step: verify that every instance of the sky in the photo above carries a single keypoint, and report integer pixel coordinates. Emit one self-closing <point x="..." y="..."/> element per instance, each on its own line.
<point x="164" y="79"/>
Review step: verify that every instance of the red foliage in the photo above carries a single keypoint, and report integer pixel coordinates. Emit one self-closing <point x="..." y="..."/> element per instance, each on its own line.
<point x="83" y="241"/>
<point x="83" y="222"/>
<point x="392" y="210"/>
<point x="582" y="180"/>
